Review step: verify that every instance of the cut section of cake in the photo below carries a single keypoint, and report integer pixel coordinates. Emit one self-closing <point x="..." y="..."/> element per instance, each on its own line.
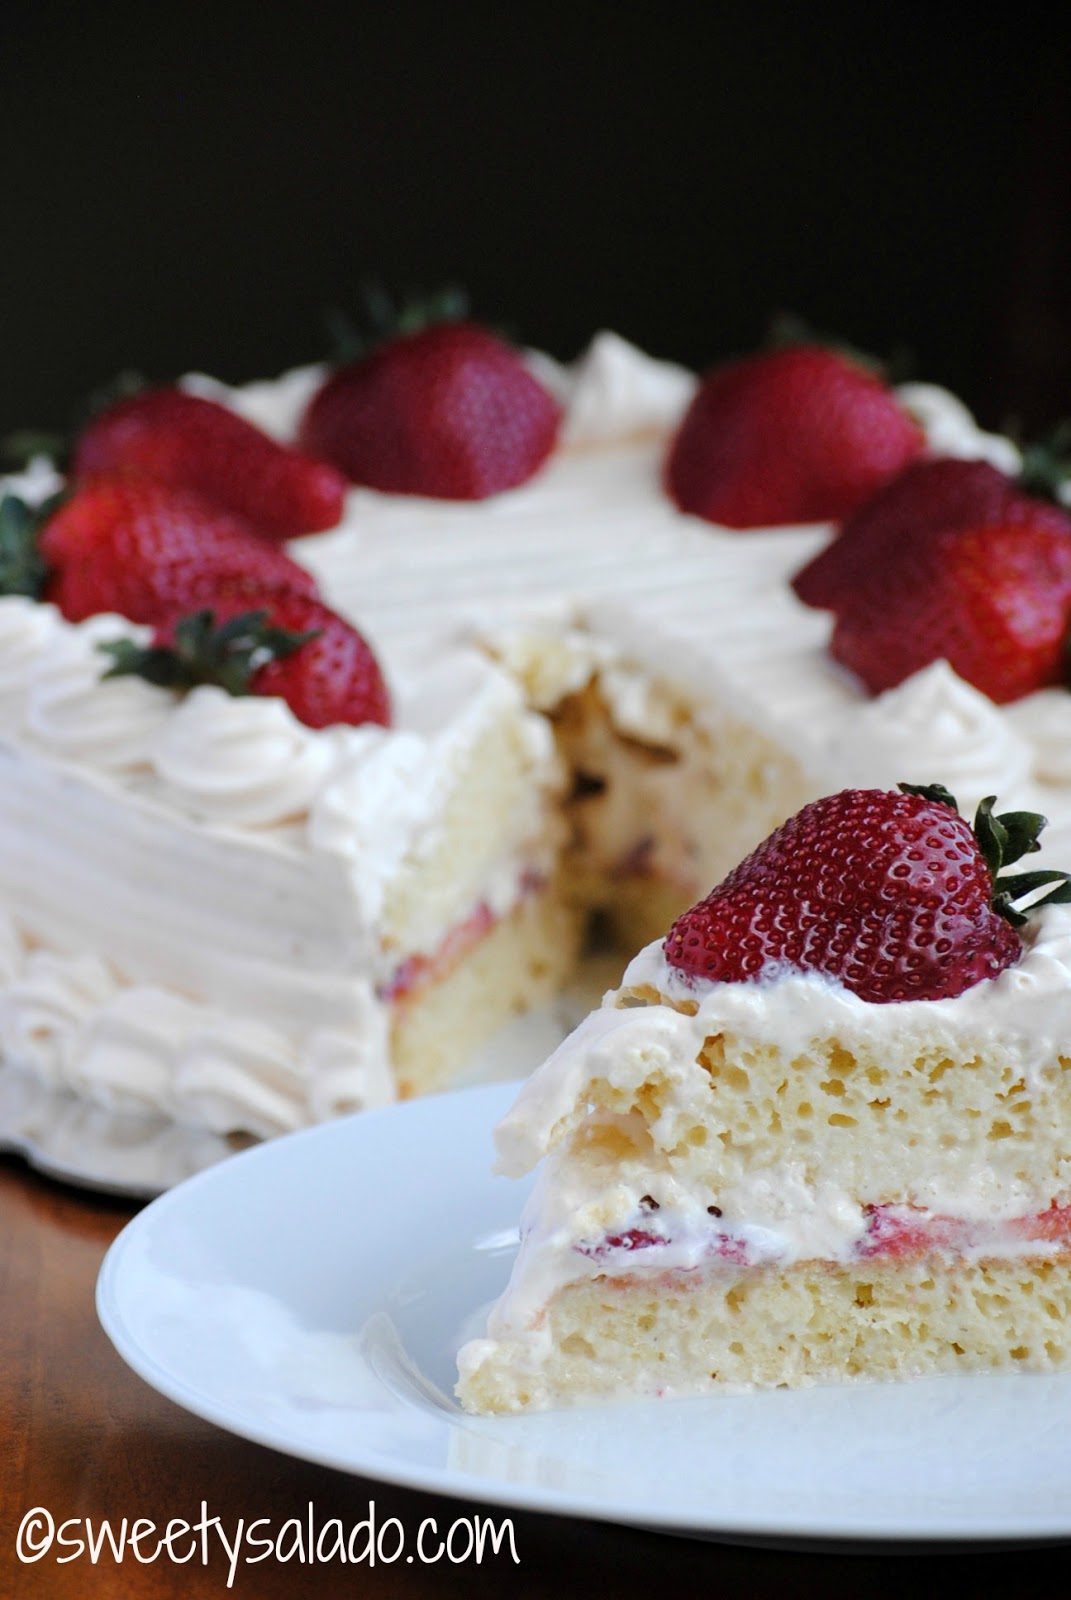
<point x="819" y="1133"/>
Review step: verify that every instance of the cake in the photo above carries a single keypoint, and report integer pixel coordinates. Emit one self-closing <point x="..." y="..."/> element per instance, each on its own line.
<point x="819" y="1133"/>
<point x="600" y="702"/>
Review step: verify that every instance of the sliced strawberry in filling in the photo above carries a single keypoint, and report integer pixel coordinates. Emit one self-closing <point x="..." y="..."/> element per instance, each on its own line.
<point x="892" y="1233"/>
<point x="421" y="971"/>
<point x="903" y="1231"/>
<point x="418" y="972"/>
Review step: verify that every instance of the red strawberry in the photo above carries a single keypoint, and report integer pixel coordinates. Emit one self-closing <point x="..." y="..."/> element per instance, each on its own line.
<point x="449" y="411"/>
<point x="992" y="599"/>
<point x="316" y="661"/>
<point x="333" y="678"/>
<point x="142" y="549"/>
<point x="920" y="502"/>
<point x="901" y="1232"/>
<point x="890" y="893"/>
<point x="799" y="434"/>
<point x="194" y="443"/>
<point x="1054" y="1224"/>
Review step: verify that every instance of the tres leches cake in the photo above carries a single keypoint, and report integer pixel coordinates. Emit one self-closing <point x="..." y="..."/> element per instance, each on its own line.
<point x="820" y="1132"/>
<point x="506" y="674"/>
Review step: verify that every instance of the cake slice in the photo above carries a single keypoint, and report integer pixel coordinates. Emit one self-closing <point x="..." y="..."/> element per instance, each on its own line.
<point x="819" y="1133"/>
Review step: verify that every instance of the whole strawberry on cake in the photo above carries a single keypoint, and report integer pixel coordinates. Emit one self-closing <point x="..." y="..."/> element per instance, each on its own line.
<point x="799" y="433"/>
<point x="819" y="1133"/>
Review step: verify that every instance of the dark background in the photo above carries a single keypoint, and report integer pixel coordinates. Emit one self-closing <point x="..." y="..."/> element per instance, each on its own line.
<point x="190" y="187"/>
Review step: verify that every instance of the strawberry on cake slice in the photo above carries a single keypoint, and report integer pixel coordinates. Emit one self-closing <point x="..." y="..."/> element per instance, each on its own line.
<point x="819" y="1133"/>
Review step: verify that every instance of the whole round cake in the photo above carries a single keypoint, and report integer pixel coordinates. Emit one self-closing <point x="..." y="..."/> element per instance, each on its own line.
<point x="336" y="710"/>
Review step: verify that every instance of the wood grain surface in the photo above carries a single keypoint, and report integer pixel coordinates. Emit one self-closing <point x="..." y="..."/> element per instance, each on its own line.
<point x="84" y="1438"/>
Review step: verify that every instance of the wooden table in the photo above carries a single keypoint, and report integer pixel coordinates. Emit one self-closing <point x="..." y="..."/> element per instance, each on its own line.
<point x="86" y="1439"/>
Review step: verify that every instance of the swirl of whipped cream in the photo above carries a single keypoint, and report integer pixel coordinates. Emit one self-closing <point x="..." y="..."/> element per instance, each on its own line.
<point x="237" y="1074"/>
<point x="44" y="1013"/>
<point x="350" y="1071"/>
<point x="275" y="405"/>
<point x="951" y="430"/>
<point x="933" y="728"/>
<point x="1044" y="720"/>
<point x="38" y="479"/>
<point x="81" y="715"/>
<point x="247" y="761"/>
<point x="125" y="1058"/>
<point x="617" y="392"/>
<point x="28" y="630"/>
<point x="12" y="954"/>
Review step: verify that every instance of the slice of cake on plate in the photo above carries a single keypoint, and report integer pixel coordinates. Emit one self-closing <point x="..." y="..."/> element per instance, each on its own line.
<point x="820" y="1132"/>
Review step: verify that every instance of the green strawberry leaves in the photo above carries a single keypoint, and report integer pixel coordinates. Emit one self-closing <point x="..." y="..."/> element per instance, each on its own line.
<point x="385" y="319"/>
<point x="225" y="654"/>
<point x="23" y="569"/>
<point x="1046" y="468"/>
<point x="788" y="328"/>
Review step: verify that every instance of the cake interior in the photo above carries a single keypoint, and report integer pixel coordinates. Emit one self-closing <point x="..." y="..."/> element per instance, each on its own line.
<point x="866" y="1203"/>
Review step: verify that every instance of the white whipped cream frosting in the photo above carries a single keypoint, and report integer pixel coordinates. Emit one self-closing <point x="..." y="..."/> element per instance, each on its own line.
<point x="29" y="631"/>
<point x="39" y="479"/>
<point x="79" y="714"/>
<point x="136" y="1049"/>
<point x="615" y="392"/>
<point x="274" y="405"/>
<point x="368" y="813"/>
<point x="935" y="723"/>
<point x="951" y="430"/>
<point x="245" y="761"/>
<point x="1043" y="720"/>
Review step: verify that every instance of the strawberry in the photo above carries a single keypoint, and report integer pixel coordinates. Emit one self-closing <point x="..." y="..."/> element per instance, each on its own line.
<point x="889" y="893"/>
<point x="140" y="548"/>
<point x="927" y="497"/>
<point x="954" y="560"/>
<point x="797" y="434"/>
<point x="994" y="601"/>
<point x="194" y="443"/>
<point x="334" y="677"/>
<point x="448" y="411"/>
<point x="275" y="643"/>
<point x="902" y="1232"/>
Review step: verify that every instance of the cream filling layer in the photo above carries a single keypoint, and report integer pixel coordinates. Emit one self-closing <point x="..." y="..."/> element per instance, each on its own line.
<point x="566" y="1238"/>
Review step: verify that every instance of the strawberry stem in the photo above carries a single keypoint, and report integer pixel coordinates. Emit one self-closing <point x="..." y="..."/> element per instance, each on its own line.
<point x="384" y="319"/>
<point x="787" y="328"/>
<point x="22" y="567"/>
<point x="1046" y="468"/>
<point x="226" y="654"/>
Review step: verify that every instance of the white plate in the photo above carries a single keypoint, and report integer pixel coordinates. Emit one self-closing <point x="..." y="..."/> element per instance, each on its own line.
<point x="311" y="1294"/>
